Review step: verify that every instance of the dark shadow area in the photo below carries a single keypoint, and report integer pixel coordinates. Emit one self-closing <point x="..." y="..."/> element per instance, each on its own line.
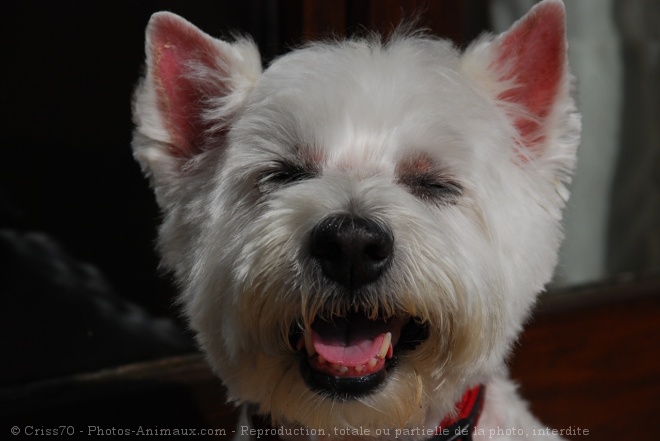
<point x="79" y="281"/>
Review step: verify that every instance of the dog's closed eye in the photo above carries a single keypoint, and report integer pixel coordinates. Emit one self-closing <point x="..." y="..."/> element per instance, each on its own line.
<point x="280" y="174"/>
<point x="432" y="188"/>
<point x="428" y="181"/>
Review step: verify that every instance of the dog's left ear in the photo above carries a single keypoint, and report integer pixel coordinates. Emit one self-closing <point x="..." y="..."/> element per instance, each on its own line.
<point x="194" y="85"/>
<point x="525" y="70"/>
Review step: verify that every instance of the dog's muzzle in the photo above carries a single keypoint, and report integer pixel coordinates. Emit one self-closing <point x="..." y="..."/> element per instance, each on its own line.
<point x="349" y="356"/>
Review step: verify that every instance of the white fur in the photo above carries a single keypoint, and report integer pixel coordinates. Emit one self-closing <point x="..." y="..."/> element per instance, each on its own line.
<point x="471" y="269"/>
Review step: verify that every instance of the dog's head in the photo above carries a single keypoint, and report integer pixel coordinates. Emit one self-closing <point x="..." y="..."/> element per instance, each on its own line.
<point x="360" y="230"/>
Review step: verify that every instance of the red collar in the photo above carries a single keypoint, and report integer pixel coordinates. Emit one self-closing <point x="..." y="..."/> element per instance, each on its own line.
<point x="452" y="428"/>
<point x="461" y="426"/>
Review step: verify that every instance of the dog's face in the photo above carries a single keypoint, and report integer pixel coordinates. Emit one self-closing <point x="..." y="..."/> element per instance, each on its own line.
<point x="360" y="230"/>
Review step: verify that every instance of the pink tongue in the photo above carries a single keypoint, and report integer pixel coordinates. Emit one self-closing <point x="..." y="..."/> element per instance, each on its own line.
<point x="354" y="352"/>
<point x="351" y="340"/>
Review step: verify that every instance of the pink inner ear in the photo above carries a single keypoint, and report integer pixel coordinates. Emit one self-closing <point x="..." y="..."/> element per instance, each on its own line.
<point x="176" y="46"/>
<point x="533" y="53"/>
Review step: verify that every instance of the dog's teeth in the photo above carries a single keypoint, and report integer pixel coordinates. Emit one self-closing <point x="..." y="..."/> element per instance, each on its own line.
<point x="339" y="368"/>
<point x="385" y="347"/>
<point x="308" y="344"/>
<point x="360" y="368"/>
<point x="373" y="362"/>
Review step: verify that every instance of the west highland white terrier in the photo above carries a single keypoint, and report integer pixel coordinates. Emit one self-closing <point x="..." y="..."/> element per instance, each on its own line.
<point x="360" y="231"/>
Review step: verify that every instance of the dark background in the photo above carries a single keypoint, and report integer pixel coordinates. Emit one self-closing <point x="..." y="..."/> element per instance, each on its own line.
<point x="78" y="275"/>
<point x="68" y="73"/>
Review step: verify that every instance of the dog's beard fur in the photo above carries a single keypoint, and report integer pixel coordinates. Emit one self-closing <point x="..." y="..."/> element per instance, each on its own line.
<point x="256" y="160"/>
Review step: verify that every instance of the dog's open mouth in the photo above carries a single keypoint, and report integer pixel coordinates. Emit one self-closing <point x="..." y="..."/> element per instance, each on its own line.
<point x="350" y="356"/>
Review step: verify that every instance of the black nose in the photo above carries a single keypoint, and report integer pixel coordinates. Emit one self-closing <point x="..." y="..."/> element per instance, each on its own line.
<point x="352" y="251"/>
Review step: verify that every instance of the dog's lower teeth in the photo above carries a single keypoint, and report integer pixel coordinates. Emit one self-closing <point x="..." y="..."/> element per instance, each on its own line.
<point x="319" y="364"/>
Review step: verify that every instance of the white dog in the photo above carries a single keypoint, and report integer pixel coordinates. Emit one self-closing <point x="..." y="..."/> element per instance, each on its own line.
<point x="360" y="230"/>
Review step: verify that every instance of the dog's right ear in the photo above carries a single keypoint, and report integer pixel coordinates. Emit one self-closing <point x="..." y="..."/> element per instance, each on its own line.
<point x="193" y="87"/>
